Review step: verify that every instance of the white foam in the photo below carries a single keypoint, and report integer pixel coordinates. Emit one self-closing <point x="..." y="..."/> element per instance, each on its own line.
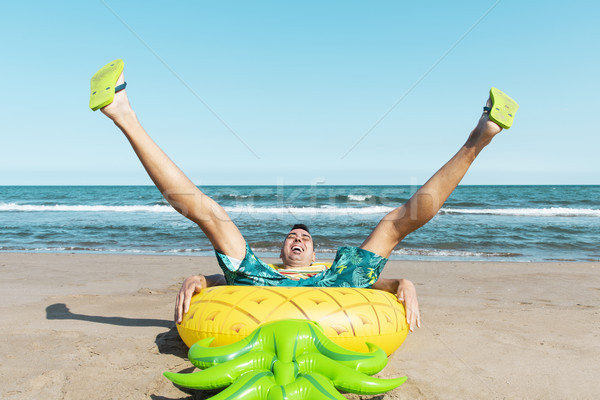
<point x="359" y="197"/>
<point x="60" y="249"/>
<point x="309" y="210"/>
<point x="529" y="212"/>
<point x="87" y="208"/>
<point x="164" y="208"/>
<point x="323" y="210"/>
<point x="446" y="253"/>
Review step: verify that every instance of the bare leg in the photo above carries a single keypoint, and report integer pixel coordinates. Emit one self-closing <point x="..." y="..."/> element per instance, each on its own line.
<point x="428" y="200"/>
<point x="177" y="189"/>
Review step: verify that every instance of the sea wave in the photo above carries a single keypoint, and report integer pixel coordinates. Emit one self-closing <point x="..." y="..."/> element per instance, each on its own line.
<point x="359" y="197"/>
<point x="528" y="212"/>
<point x="309" y="210"/>
<point x="86" y="208"/>
<point x="317" y="210"/>
<point x="163" y="208"/>
<point x="105" y="250"/>
<point x="450" y="253"/>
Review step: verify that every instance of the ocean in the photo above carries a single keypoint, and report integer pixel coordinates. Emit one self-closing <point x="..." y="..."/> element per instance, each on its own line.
<point x="494" y="223"/>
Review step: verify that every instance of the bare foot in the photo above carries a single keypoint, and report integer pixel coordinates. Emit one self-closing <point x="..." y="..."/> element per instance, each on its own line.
<point x="119" y="109"/>
<point x="484" y="132"/>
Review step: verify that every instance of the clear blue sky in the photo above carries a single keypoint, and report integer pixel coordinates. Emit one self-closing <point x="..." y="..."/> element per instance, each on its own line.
<point x="293" y="87"/>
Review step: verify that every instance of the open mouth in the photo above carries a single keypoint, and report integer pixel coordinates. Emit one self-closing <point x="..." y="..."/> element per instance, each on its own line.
<point x="297" y="249"/>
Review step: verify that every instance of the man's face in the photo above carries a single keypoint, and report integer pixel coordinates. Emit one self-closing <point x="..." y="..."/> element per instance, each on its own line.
<point x="298" y="250"/>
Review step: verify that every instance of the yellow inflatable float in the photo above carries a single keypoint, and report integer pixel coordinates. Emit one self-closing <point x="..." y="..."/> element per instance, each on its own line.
<point x="349" y="316"/>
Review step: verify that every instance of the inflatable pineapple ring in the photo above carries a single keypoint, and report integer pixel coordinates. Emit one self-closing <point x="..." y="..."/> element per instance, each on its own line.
<point x="289" y="359"/>
<point x="350" y="317"/>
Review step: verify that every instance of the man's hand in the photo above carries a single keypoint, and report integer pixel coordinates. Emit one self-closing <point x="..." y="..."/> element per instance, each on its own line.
<point x="406" y="293"/>
<point x="191" y="286"/>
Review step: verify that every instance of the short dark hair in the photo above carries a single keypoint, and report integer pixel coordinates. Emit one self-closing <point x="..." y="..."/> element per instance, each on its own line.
<point x="300" y="226"/>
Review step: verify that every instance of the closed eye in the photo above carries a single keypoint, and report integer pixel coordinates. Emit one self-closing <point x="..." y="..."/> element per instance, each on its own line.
<point x="306" y="238"/>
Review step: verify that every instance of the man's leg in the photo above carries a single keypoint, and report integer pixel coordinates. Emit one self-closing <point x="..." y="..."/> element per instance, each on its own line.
<point x="177" y="189"/>
<point x="428" y="200"/>
<point x="421" y="207"/>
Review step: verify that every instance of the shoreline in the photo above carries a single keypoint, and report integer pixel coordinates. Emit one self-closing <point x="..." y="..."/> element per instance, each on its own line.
<point x="75" y="325"/>
<point x="321" y="257"/>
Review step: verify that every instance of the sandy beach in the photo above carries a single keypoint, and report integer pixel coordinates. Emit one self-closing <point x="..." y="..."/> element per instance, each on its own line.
<point x="100" y="327"/>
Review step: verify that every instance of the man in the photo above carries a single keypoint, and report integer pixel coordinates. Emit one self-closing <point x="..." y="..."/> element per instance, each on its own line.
<point x="353" y="265"/>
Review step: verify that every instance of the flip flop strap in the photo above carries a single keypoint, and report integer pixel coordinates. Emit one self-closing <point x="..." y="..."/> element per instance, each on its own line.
<point x="120" y="87"/>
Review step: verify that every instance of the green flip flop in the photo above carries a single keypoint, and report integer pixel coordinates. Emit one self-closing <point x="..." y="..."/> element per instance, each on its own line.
<point x="103" y="83"/>
<point x="503" y="108"/>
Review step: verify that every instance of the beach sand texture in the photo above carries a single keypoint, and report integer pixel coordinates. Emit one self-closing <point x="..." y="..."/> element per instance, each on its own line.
<point x="100" y="327"/>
